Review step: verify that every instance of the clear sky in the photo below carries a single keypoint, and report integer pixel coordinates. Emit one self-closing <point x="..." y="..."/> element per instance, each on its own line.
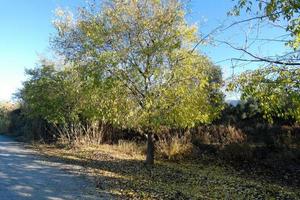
<point x="25" y="29"/>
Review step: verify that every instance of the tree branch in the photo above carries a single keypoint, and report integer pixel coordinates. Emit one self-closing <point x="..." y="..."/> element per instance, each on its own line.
<point x="259" y="59"/>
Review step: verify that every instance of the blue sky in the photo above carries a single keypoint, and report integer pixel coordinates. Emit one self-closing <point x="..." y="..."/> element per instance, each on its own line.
<point x="26" y="28"/>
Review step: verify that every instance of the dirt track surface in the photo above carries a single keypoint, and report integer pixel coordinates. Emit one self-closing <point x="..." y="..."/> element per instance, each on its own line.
<point x="26" y="175"/>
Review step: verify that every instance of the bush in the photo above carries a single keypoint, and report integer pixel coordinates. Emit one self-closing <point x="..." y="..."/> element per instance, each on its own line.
<point x="5" y="110"/>
<point x="131" y="148"/>
<point x="4" y="123"/>
<point x="174" y="147"/>
<point x="217" y="135"/>
<point x="78" y="135"/>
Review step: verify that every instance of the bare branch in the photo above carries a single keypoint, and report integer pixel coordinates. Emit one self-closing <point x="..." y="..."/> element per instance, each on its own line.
<point x="258" y="58"/>
<point x="219" y="28"/>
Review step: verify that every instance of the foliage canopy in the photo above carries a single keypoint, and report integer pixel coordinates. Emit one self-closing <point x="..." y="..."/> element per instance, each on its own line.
<point x="146" y="46"/>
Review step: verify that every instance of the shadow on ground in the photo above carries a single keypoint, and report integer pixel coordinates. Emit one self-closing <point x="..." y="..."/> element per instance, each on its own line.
<point x="204" y="179"/>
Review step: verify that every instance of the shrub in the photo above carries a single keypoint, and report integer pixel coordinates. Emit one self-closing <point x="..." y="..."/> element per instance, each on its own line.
<point x="174" y="147"/>
<point x="4" y="123"/>
<point x="131" y="148"/>
<point x="79" y="135"/>
<point x="218" y="135"/>
<point x="5" y="110"/>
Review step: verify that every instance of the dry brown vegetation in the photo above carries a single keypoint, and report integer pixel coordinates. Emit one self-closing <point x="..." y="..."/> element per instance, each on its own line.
<point x="5" y="109"/>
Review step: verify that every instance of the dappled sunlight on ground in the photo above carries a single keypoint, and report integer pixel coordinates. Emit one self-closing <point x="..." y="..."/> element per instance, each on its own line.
<point x="126" y="176"/>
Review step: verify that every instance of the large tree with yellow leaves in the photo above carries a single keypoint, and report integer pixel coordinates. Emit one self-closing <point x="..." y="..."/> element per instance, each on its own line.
<point x="148" y="47"/>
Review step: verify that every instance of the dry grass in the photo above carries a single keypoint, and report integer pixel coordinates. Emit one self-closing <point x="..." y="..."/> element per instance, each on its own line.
<point x="130" y="148"/>
<point x="174" y="148"/>
<point x="5" y="109"/>
<point x="218" y="134"/>
<point x="78" y="135"/>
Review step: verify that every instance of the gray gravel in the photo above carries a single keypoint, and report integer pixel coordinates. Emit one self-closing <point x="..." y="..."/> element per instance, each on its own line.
<point x="25" y="175"/>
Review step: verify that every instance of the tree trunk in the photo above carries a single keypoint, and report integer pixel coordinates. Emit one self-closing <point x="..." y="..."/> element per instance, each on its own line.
<point x="150" y="149"/>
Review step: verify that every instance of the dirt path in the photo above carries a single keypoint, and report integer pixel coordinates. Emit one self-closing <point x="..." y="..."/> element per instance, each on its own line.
<point x="25" y="175"/>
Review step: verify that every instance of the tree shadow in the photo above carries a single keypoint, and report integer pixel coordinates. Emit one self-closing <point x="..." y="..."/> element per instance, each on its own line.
<point x="280" y="166"/>
<point x="173" y="180"/>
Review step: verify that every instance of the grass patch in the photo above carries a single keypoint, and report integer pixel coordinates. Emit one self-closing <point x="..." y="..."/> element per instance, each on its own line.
<point x="121" y="171"/>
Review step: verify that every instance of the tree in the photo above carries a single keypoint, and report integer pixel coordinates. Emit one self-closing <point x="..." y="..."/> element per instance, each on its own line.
<point x="280" y="15"/>
<point x="275" y="86"/>
<point x="276" y="10"/>
<point x="147" y="46"/>
<point x="276" y="89"/>
<point x="51" y="94"/>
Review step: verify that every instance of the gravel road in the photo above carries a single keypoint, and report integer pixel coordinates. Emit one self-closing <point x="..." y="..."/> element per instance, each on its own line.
<point x="26" y="175"/>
